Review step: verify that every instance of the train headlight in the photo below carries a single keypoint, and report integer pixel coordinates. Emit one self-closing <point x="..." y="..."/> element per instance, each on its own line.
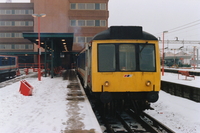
<point x="148" y="83"/>
<point x="106" y="84"/>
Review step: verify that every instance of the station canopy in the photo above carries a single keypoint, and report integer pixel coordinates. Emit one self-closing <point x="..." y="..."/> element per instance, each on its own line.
<point x="62" y="41"/>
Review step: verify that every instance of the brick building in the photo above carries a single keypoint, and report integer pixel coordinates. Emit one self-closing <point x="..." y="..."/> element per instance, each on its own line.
<point x="84" y="18"/>
<point x="15" y="18"/>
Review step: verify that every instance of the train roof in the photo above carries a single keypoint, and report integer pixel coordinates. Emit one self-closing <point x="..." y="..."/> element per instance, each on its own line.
<point x="124" y="32"/>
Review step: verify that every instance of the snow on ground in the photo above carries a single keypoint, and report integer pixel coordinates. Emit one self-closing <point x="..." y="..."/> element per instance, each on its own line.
<point x="45" y="111"/>
<point x="173" y="77"/>
<point x="179" y="114"/>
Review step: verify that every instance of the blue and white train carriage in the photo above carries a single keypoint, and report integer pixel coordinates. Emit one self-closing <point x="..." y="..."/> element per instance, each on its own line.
<point x="8" y="66"/>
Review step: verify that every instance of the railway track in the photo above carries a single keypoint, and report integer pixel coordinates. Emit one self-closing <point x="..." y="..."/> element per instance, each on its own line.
<point x="15" y="79"/>
<point x="128" y="122"/>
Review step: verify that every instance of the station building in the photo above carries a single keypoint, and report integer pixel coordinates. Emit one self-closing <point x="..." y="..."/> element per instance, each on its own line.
<point x="76" y="19"/>
<point x="16" y="18"/>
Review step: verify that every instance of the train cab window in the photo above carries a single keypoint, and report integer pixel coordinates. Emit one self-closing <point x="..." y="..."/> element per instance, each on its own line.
<point x="127" y="60"/>
<point x="147" y="57"/>
<point x="106" y="58"/>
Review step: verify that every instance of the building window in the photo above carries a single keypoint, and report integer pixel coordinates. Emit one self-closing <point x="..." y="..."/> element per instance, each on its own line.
<point x="30" y="12"/>
<point x="8" y="11"/>
<point x="8" y="23"/>
<point x="83" y="23"/>
<point x="16" y="23"/>
<point x="90" y="22"/>
<point x="22" y="46"/>
<point x="97" y="6"/>
<point x="73" y="22"/>
<point x="2" y="46"/>
<point x="81" y="6"/>
<point x="29" y="46"/>
<point x="103" y="6"/>
<point x="72" y="6"/>
<point x="103" y="23"/>
<point x="18" y="35"/>
<point x="97" y="22"/>
<point x="19" y="12"/>
<point x="16" y="12"/>
<point x="2" y="23"/>
<point x="9" y="35"/>
<point x="88" y="6"/>
<point x="2" y="35"/>
<point x="30" y="23"/>
<point x="8" y="46"/>
<point x="2" y="11"/>
<point x="16" y="46"/>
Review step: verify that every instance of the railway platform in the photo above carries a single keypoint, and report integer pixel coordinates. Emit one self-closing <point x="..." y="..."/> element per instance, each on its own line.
<point x="178" y="85"/>
<point x="57" y="104"/>
<point x="78" y="102"/>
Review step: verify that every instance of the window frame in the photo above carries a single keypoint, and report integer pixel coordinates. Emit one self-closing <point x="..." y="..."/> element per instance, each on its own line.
<point x="88" y="6"/>
<point x="137" y="60"/>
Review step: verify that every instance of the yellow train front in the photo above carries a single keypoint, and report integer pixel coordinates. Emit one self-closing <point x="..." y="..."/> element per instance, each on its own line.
<point x="123" y="63"/>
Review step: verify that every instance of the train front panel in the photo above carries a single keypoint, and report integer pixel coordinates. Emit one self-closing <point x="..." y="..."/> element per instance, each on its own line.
<point x="125" y="66"/>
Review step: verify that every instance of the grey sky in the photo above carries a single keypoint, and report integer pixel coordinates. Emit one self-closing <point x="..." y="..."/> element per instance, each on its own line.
<point x="156" y="16"/>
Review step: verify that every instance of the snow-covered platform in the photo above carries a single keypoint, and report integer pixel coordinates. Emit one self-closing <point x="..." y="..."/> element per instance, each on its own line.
<point x="179" y="79"/>
<point x="57" y="105"/>
<point x="178" y="85"/>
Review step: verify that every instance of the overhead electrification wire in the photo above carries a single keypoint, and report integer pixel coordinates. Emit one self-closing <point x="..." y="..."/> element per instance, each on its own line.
<point x="182" y="27"/>
<point x="186" y="25"/>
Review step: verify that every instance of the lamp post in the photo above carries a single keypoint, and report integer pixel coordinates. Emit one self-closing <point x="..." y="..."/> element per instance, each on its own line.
<point x="39" y="52"/>
<point x="163" y="53"/>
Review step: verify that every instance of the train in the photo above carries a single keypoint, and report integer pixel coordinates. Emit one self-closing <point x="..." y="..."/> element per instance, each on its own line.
<point x="122" y="64"/>
<point x="8" y="66"/>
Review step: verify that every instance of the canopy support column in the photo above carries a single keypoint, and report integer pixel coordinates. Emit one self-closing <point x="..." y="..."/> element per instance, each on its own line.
<point x="52" y="56"/>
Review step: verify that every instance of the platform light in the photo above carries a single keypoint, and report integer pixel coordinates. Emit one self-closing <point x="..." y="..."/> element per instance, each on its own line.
<point x="39" y="16"/>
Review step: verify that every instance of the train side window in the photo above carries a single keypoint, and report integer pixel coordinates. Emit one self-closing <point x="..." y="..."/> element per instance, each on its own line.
<point x="147" y="57"/>
<point x="106" y="58"/>
<point x="13" y="61"/>
<point x="5" y="61"/>
<point x="127" y="59"/>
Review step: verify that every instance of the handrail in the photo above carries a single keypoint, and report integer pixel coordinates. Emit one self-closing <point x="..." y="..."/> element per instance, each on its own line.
<point x="32" y="65"/>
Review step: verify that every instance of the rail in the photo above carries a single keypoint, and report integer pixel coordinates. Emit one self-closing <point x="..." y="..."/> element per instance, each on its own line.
<point x="150" y="121"/>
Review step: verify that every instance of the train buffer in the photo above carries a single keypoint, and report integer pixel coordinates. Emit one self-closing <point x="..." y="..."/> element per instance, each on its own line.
<point x="186" y="74"/>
